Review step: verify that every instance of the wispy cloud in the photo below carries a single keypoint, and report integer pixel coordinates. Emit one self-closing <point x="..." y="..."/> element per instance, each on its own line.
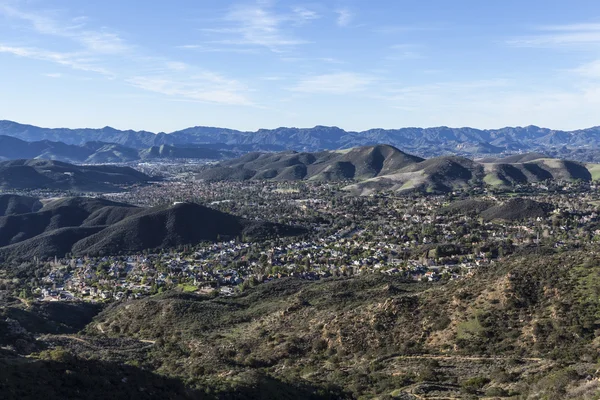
<point x="177" y="66"/>
<point x="204" y="87"/>
<point x="336" y="83"/>
<point x="90" y="46"/>
<point x="106" y="53"/>
<point x="589" y="70"/>
<point x="260" y="25"/>
<point x="331" y="60"/>
<point x="96" y="41"/>
<point x="77" y="61"/>
<point x="54" y="75"/>
<point x="345" y="17"/>
<point x="570" y="35"/>
<point x="404" y="52"/>
<point x="303" y="14"/>
<point x="203" y="48"/>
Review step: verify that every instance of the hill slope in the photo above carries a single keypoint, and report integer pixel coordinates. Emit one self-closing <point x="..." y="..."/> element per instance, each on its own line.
<point x="384" y="167"/>
<point x="85" y="226"/>
<point x="172" y="226"/>
<point x="508" y="323"/>
<point x="444" y="174"/>
<point x="13" y="205"/>
<point x="357" y="163"/>
<point x="55" y="175"/>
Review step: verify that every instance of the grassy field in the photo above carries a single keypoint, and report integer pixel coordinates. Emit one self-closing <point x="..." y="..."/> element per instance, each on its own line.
<point x="287" y="190"/>
<point x="493" y="180"/>
<point x="188" y="288"/>
<point x="594" y="170"/>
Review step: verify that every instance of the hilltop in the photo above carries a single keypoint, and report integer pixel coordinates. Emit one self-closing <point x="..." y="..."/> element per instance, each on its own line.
<point x="85" y="226"/>
<point x="384" y="167"/>
<point x="357" y="163"/>
<point x="171" y="226"/>
<point x="55" y="175"/>
<point x="445" y="174"/>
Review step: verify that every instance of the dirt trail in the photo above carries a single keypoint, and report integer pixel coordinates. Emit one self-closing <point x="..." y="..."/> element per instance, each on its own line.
<point x="460" y="358"/>
<point x="149" y="343"/>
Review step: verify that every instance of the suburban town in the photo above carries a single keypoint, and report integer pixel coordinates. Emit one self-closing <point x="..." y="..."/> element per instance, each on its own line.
<point x="434" y="238"/>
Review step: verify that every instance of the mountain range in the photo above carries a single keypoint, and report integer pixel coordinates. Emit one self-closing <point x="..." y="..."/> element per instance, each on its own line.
<point x="101" y="153"/>
<point x="56" y="175"/>
<point x="422" y="141"/>
<point x="384" y="167"/>
<point x="91" y="226"/>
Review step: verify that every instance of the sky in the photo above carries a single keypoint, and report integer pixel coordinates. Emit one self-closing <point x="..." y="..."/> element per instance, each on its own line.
<point x="356" y="64"/>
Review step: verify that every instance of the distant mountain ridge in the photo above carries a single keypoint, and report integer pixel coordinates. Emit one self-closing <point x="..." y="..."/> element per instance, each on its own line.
<point x="100" y="152"/>
<point x="423" y="141"/>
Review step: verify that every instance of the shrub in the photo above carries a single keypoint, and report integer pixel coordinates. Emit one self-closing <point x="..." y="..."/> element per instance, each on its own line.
<point x="473" y="385"/>
<point x="496" y="392"/>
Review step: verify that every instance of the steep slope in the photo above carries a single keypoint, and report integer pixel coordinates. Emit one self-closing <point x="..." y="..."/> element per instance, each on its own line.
<point x="55" y="175"/>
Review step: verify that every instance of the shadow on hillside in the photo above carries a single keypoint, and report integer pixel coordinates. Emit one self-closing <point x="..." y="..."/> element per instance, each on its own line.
<point x="71" y="378"/>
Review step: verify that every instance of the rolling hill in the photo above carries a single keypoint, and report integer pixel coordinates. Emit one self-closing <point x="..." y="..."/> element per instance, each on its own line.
<point x="358" y="163"/>
<point x="55" y="175"/>
<point x="87" y="226"/>
<point x="383" y="167"/>
<point x="444" y="174"/>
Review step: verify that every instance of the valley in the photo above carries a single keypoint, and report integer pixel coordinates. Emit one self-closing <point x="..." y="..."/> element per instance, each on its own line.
<point x="299" y="200"/>
<point x="317" y="293"/>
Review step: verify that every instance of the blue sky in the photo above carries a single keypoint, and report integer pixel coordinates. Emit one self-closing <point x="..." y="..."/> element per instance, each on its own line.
<point x="167" y="65"/>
